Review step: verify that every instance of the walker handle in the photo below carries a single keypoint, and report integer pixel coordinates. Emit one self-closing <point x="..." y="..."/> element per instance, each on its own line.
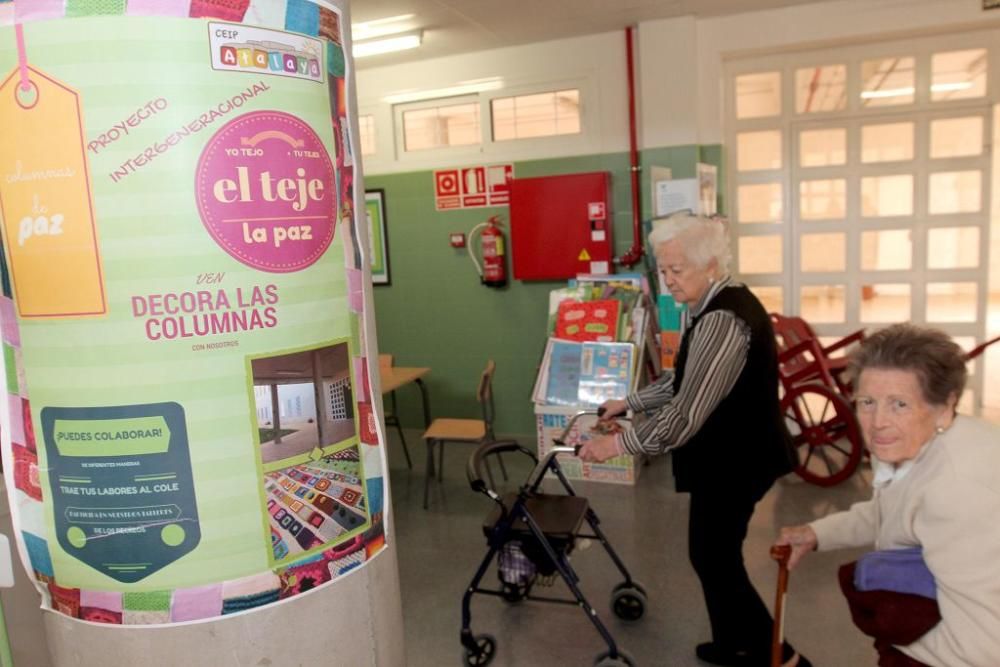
<point x="563" y="448"/>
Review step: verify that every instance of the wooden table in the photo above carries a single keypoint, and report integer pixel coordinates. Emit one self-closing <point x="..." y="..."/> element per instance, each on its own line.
<point x="394" y="377"/>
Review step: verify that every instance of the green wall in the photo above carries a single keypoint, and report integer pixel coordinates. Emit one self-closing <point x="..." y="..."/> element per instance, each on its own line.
<point x="435" y="312"/>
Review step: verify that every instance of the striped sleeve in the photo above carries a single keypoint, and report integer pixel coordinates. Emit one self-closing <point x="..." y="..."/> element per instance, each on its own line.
<point x="653" y="395"/>
<point x="716" y="356"/>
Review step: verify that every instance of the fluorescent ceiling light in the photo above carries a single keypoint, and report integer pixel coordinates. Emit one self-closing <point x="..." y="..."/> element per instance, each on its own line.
<point x="947" y="87"/>
<point x="380" y="27"/>
<point x="462" y="88"/>
<point x="372" y="47"/>
<point x="888" y="92"/>
<point x="908" y="91"/>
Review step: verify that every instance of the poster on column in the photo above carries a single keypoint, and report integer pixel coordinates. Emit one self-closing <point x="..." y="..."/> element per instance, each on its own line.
<point x="188" y="429"/>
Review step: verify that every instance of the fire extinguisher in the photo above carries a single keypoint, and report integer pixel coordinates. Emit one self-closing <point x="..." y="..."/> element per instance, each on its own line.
<point x="493" y="272"/>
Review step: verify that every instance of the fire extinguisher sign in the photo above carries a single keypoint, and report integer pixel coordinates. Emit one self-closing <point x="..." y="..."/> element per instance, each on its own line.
<point x="472" y="187"/>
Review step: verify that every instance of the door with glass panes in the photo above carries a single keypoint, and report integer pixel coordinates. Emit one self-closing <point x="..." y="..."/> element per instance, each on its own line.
<point x="861" y="185"/>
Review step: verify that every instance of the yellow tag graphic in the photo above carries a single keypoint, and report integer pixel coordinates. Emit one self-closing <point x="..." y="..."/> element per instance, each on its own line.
<point x="45" y="202"/>
<point x="584" y="256"/>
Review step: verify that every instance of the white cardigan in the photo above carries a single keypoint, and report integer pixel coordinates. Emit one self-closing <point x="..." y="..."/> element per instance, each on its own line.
<point x="948" y="503"/>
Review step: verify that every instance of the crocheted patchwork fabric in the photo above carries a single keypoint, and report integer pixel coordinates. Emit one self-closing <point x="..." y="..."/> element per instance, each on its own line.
<point x="147" y="608"/>
<point x="94" y="7"/>
<point x="191" y="604"/>
<point x="38" y="554"/>
<point x="26" y="472"/>
<point x="227" y="10"/>
<point x="147" y="601"/>
<point x="329" y="27"/>
<point x="302" y="16"/>
<point x="158" y="7"/>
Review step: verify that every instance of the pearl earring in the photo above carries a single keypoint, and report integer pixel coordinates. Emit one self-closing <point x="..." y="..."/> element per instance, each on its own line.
<point x="939" y="430"/>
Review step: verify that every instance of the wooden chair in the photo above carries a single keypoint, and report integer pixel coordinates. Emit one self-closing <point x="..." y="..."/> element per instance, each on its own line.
<point x="391" y="418"/>
<point x="473" y="431"/>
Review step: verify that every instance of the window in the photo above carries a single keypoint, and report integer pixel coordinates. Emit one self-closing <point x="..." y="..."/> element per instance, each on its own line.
<point x="819" y="89"/>
<point x="887" y="142"/>
<point x="887" y="82"/>
<point x="441" y="126"/>
<point x="955" y="192"/>
<point x="536" y="115"/>
<point x="822" y="148"/>
<point x="886" y="196"/>
<point x="958" y="75"/>
<point x="956" y="137"/>
<point x="758" y="150"/>
<point x="760" y="203"/>
<point x="822" y="253"/>
<point x="760" y="254"/>
<point x="366" y="129"/>
<point x="336" y="393"/>
<point x="886" y="250"/>
<point x="822" y="199"/>
<point x="758" y="95"/>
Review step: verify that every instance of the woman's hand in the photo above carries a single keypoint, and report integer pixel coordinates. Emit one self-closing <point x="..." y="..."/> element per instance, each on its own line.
<point x="613" y="408"/>
<point x="802" y="539"/>
<point x="599" y="449"/>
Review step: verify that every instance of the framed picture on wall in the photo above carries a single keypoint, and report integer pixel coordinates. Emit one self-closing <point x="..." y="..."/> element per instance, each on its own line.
<point x="378" y="239"/>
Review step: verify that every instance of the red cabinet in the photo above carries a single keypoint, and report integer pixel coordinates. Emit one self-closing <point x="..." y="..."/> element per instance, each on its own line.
<point x="561" y="226"/>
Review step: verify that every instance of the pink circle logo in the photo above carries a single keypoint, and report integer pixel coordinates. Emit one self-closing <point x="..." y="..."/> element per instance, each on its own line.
<point x="266" y="191"/>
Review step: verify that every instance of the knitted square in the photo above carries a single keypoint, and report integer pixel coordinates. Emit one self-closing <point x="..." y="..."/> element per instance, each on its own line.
<point x="94" y="7"/>
<point x="227" y="10"/>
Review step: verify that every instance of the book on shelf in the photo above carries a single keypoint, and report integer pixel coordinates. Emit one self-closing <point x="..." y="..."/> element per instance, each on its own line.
<point x="588" y="320"/>
<point x="585" y="373"/>
<point x="556" y="298"/>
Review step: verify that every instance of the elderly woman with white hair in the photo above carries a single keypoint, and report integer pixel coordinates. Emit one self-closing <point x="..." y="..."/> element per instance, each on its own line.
<point x="717" y="412"/>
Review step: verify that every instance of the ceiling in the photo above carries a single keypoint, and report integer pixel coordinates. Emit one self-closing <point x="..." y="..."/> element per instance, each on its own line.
<point x="452" y="27"/>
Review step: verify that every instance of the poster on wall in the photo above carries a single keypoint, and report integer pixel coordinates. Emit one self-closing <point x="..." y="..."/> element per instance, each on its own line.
<point x="708" y="188"/>
<point x="188" y="429"/>
<point x="472" y="187"/>
<point x="378" y="238"/>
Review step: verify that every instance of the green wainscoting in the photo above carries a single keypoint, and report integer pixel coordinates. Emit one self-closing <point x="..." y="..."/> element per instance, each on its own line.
<point x="435" y="313"/>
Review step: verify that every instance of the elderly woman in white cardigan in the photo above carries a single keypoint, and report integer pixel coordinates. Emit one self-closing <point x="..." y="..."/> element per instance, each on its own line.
<point x="936" y="486"/>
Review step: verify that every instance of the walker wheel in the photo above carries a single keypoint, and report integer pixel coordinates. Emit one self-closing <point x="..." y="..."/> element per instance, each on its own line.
<point x="487" y="647"/>
<point x="514" y="593"/>
<point x="629" y="604"/>
<point x="630" y="585"/>
<point x="623" y="659"/>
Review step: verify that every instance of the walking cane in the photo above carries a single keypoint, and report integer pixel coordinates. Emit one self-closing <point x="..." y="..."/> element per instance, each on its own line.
<point x="781" y="554"/>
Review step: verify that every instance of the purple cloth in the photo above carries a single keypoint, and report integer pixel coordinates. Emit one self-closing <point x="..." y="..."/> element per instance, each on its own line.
<point x="192" y="604"/>
<point x="897" y="570"/>
<point x="8" y="322"/>
<point x="37" y="10"/>
<point x="101" y="600"/>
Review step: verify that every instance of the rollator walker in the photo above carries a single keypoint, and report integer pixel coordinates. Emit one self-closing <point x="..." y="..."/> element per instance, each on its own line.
<point x="532" y="533"/>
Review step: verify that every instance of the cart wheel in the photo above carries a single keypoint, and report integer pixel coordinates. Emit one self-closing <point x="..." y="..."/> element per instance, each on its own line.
<point x="630" y="585"/>
<point x="513" y="593"/>
<point x="487" y="649"/>
<point x="825" y="432"/>
<point x="623" y="659"/>
<point x="629" y="604"/>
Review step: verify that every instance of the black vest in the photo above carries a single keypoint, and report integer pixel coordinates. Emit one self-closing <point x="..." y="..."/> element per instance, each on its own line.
<point x="744" y="441"/>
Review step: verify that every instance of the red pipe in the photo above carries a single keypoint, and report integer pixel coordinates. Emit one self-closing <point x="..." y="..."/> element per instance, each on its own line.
<point x="636" y="252"/>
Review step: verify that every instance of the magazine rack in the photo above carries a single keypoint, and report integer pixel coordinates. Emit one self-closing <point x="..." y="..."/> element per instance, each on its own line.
<point x="579" y="373"/>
